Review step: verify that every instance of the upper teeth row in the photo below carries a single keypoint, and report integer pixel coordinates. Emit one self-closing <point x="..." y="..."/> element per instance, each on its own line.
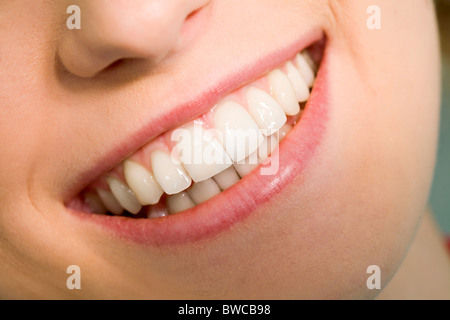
<point x="257" y="111"/>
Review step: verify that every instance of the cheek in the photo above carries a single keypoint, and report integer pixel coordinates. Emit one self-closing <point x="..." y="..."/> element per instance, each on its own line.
<point x="360" y="201"/>
<point x="369" y="187"/>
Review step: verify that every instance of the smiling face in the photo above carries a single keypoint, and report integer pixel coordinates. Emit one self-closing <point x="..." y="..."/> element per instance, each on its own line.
<point x="86" y="116"/>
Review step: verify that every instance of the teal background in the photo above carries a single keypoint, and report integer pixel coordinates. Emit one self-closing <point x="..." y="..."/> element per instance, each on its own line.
<point x="440" y="193"/>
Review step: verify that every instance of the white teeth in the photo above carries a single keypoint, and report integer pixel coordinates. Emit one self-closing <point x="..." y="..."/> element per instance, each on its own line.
<point x="284" y="131"/>
<point x="227" y="178"/>
<point x="240" y="134"/>
<point x="110" y="201"/>
<point x="283" y="92"/>
<point x="246" y="166"/>
<point x="95" y="203"/>
<point x="124" y="195"/>
<point x="142" y="182"/>
<point x="203" y="156"/>
<point x="267" y="113"/>
<point x="179" y="202"/>
<point x="203" y="191"/>
<point x="300" y="87"/>
<point x="171" y="176"/>
<point x="305" y="70"/>
<point x="266" y="149"/>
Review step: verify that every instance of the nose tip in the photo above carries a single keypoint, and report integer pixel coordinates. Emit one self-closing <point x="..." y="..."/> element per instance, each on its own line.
<point x="113" y="30"/>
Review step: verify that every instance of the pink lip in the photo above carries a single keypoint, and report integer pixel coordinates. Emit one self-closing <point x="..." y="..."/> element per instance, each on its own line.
<point x="238" y="202"/>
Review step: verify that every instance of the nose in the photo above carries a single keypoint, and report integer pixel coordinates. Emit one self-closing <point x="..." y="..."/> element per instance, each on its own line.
<point x="113" y="30"/>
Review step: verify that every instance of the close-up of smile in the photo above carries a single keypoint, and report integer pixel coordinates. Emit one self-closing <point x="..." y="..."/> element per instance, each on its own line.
<point x="151" y="197"/>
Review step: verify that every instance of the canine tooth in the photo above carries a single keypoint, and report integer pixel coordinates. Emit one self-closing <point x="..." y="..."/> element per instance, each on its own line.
<point x="203" y="156"/>
<point x="110" y="201"/>
<point x="95" y="203"/>
<point x="179" y="202"/>
<point x="227" y="178"/>
<point x="310" y="61"/>
<point x="283" y="92"/>
<point x="246" y="166"/>
<point x="300" y="87"/>
<point x="171" y="176"/>
<point x="142" y="182"/>
<point x="203" y="191"/>
<point x="267" y="113"/>
<point x="240" y="134"/>
<point x="283" y="132"/>
<point x="124" y="195"/>
<point x="269" y="144"/>
<point x="305" y="70"/>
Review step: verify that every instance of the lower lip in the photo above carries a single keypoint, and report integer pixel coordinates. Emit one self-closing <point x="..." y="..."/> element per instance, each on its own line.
<point x="237" y="203"/>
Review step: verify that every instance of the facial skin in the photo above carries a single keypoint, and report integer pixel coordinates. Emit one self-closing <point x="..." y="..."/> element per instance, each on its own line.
<point x="68" y="97"/>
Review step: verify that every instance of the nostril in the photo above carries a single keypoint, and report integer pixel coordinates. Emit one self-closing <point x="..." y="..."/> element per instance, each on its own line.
<point x="117" y="64"/>
<point x="192" y="14"/>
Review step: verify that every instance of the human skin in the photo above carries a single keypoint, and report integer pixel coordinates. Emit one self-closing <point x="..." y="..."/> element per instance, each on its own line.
<point x="66" y="103"/>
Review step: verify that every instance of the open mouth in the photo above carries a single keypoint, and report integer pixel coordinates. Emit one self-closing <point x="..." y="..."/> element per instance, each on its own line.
<point x="191" y="170"/>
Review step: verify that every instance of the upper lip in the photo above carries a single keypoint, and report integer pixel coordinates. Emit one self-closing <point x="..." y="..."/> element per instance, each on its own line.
<point x="172" y="117"/>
